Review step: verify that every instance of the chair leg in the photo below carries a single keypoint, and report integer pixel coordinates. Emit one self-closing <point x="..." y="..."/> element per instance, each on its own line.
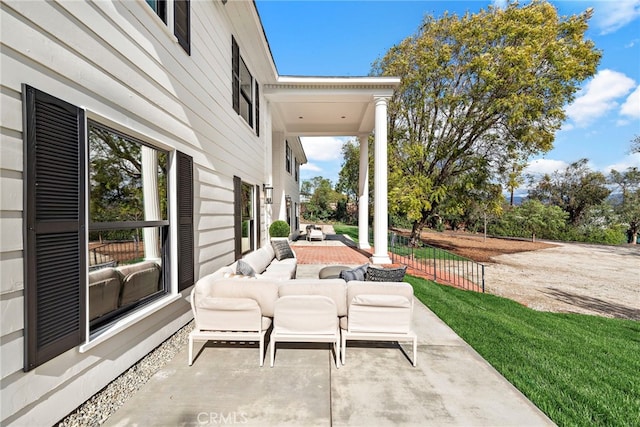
<point x="190" y="350"/>
<point x="261" y="355"/>
<point x="415" y="351"/>
<point x="273" y="350"/>
<point x="336" y="348"/>
<point x="344" y="349"/>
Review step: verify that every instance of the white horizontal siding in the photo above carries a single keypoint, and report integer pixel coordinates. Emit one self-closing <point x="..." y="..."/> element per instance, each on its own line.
<point x="119" y="62"/>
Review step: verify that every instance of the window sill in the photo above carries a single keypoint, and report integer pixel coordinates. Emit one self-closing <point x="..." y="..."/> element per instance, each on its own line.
<point x="128" y="321"/>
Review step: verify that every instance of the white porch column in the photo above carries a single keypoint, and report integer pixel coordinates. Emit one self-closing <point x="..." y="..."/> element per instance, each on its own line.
<point x="380" y="244"/>
<point x="151" y="201"/>
<point x="363" y="193"/>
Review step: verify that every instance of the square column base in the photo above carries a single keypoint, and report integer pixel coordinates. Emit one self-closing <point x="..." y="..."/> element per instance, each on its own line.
<point x="380" y="259"/>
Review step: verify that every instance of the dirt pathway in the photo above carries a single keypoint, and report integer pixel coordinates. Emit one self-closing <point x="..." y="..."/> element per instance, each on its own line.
<point x="575" y="278"/>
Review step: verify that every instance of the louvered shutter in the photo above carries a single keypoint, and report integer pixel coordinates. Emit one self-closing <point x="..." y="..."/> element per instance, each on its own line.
<point x="186" y="275"/>
<point x="182" y="23"/>
<point x="235" y="74"/>
<point x="55" y="247"/>
<point x="237" y="215"/>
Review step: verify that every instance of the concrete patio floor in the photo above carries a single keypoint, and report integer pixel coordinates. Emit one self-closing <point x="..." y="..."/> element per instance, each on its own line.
<point x="451" y="385"/>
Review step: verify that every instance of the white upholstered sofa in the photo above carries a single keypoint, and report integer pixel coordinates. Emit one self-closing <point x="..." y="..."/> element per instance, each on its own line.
<point x="263" y="263"/>
<point x="231" y="309"/>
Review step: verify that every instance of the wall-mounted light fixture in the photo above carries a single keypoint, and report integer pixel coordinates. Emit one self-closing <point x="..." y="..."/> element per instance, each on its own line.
<point x="287" y="200"/>
<point x="268" y="193"/>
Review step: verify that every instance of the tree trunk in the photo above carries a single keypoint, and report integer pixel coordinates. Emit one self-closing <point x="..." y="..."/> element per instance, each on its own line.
<point x="416" y="230"/>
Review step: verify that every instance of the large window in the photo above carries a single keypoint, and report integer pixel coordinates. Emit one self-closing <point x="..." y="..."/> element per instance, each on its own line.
<point x="127" y="252"/>
<point x="128" y="226"/>
<point x="245" y="89"/>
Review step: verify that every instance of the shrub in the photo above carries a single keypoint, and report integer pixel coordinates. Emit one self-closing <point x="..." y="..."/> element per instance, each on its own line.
<point x="279" y="228"/>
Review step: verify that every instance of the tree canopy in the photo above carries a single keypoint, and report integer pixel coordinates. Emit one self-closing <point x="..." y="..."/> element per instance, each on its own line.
<point x="478" y="91"/>
<point x="575" y="190"/>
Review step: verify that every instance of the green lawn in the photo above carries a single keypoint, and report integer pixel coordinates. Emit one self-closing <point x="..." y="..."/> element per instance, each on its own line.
<point x="580" y="370"/>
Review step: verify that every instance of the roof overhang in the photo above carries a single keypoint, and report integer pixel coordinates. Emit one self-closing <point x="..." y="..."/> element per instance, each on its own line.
<point x="326" y="106"/>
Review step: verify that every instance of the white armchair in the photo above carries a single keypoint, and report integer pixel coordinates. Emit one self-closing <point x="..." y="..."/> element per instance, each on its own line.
<point x="380" y="311"/>
<point x="306" y="318"/>
<point x="225" y="310"/>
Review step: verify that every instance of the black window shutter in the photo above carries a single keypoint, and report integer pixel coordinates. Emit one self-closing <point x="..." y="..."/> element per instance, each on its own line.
<point x="258" y="216"/>
<point x="235" y="74"/>
<point x="55" y="245"/>
<point x="182" y="23"/>
<point x="186" y="275"/>
<point x="237" y="215"/>
<point x="257" y="110"/>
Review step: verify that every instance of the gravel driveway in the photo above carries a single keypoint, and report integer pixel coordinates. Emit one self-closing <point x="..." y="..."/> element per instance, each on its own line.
<point x="571" y="278"/>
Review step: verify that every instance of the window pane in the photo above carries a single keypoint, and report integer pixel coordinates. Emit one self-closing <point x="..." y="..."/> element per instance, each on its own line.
<point x="128" y="180"/>
<point x="247" y="218"/>
<point x="160" y="8"/>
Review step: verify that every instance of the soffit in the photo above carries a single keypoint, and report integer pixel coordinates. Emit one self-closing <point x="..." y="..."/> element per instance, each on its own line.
<point x="327" y="106"/>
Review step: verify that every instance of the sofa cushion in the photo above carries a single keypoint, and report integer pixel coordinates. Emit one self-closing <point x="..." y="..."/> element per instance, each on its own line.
<point x="264" y="292"/>
<point x="332" y="288"/>
<point x="280" y="270"/>
<point x="104" y="291"/>
<point x="282" y="249"/>
<point x="245" y="269"/>
<point x="357" y="273"/>
<point x="385" y="274"/>
<point x="259" y="259"/>
<point x="140" y="284"/>
<point x="355" y="288"/>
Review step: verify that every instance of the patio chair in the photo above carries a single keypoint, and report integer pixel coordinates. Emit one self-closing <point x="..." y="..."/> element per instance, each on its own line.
<point x="315" y="233"/>
<point x="378" y="311"/>
<point x="306" y="318"/>
<point x="228" y="319"/>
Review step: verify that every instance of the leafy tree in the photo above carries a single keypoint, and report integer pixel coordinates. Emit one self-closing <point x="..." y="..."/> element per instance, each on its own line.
<point x="322" y="198"/>
<point x="349" y="177"/>
<point x="575" y="190"/>
<point x="629" y="206"/>
<point x="511" y="174"/>
<point x="635" y="144"/>
<point x="477" y="91"/>
<point x="532" y="219"/>
<point x="538" y="218"/>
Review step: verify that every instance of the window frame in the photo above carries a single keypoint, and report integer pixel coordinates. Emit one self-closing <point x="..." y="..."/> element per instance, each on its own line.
<point x="245" y="99"/>
<point x="96" y="326"/>
<point x="287" y="157"/>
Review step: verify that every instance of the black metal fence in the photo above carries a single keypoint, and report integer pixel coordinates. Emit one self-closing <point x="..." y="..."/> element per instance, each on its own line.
<point x="113" y="253"/>
<point x="438" y="264"/>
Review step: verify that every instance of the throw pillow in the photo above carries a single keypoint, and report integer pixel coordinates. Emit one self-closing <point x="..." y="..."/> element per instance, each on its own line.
<point x="357" y="273"/>
<point x="385" y="274"/>
<point x="245" y="269"/>
<point x="282" y="249"/>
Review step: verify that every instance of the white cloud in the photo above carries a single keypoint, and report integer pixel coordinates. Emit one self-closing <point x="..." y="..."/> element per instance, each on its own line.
<point x="599" y="96"/>
<point x="311" y="167"/>
<point x="631" y="106"/>
<point x="323" y="148"/>
<point x="632" y="160"/>
<point x="500" y="3"/>
<point x="544" y="166"/>
<point x="610" y="16"/>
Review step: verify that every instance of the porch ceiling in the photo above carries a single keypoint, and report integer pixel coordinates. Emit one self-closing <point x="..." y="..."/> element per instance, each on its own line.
<point x="327" y="106"/>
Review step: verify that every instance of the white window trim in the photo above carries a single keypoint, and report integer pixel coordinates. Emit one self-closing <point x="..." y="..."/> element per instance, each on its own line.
<point x="129" y="320"/>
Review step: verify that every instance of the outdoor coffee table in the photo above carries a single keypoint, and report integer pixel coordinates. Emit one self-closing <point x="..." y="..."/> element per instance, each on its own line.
<point x="331" y="271"/>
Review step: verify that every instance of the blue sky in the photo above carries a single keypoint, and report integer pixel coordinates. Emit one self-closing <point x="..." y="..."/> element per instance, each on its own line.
<point x="343" y="38"/>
